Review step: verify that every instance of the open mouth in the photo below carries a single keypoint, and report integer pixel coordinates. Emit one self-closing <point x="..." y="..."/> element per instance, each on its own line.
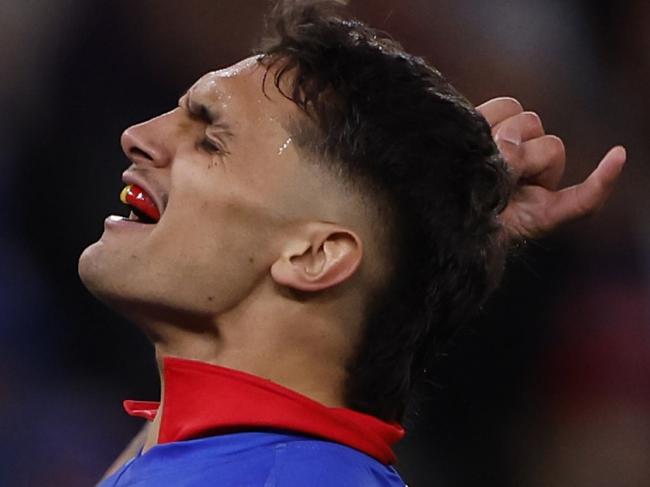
<point x="142" y="206"/>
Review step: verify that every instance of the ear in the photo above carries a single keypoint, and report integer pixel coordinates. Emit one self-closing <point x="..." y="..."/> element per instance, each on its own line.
<point x="322" y="257"/>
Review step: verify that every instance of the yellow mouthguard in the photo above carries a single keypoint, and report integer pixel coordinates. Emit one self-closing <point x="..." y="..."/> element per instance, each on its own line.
<point x="124" y="192"/>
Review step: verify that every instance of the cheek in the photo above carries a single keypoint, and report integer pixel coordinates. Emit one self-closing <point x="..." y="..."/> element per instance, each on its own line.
<point x="210" y="251"/>
<point x="221" y="204"/>
<point x="203" y="267"/>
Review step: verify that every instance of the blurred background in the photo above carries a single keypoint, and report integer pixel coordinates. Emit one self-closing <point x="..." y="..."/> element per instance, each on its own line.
<point x="550" y="386"/>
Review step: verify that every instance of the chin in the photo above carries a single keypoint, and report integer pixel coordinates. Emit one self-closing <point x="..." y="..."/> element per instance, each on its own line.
<point x="99" y="273"/>
<point x="110" y="276"/>
<point x="88" y="265"/>
<point x="104" y="275"/>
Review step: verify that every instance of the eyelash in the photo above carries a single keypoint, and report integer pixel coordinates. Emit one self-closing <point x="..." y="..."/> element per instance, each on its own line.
<point x="206" y="144"/>
<point x="209" y="146"/>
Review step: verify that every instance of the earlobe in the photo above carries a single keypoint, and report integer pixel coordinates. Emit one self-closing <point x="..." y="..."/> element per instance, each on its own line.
<point x="327" y="256"/>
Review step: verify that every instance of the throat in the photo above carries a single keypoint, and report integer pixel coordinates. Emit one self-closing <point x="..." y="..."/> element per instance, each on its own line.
<point x="153" y="431"/>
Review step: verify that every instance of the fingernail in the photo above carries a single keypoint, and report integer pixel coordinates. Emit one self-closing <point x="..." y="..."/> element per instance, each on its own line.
<point x="508" y="133"/>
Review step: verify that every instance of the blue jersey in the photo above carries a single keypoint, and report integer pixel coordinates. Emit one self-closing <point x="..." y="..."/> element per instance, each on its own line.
<point x="223" y="427"/>
<point x="254" y="459"/>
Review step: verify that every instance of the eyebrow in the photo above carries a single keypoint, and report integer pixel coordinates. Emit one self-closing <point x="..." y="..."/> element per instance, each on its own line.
<point x="204" y="113"/>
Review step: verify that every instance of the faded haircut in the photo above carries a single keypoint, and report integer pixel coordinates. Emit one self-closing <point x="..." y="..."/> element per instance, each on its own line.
<point x="390" y="123"/>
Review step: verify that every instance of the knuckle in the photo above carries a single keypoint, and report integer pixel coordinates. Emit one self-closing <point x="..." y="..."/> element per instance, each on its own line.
<point x="533" y="120"/>
<point x="511" y="153"/>
<point x="516" y="104"/>
<point x="556" y="148"/>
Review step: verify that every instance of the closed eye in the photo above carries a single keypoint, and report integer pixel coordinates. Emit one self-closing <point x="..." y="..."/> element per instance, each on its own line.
<point x="209" y="146"/>
<point x="203" y="114"/>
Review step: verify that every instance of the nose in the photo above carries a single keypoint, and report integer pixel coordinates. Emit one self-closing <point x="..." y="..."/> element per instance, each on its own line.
<point x="148" y="143"/>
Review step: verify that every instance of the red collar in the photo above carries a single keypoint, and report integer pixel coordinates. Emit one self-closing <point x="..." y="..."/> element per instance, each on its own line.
<point x="203" y="400"/>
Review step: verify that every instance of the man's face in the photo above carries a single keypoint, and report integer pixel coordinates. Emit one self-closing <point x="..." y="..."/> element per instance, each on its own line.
<point x="229" y="185"/>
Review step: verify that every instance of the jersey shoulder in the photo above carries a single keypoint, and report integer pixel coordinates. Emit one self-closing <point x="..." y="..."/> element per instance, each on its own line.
<point x="320" y="463"/>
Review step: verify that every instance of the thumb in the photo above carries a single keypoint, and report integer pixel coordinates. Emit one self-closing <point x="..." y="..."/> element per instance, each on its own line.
<point x="589" y="196"/>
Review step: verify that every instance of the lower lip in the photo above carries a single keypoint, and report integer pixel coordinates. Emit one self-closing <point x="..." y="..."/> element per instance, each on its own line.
<point x="120" y="223"/>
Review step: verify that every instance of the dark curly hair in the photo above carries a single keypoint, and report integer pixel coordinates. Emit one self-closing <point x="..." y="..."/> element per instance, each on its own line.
<point x="391" y="124"/>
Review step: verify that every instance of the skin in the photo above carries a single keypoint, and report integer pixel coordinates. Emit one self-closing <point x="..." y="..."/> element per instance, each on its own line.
<point x="247" y="223"/>
<point x="537" y="162"/>
<point x="241" y="230"/>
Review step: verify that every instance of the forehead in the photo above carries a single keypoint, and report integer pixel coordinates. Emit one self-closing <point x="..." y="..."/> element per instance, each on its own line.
<point x="245" y="94"/>
<point x="212" y="85"/>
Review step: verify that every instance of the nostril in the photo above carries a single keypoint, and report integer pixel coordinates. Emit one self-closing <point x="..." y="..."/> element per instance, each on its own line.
<point x="137" y="152"/>
<point x="142" y="144"/>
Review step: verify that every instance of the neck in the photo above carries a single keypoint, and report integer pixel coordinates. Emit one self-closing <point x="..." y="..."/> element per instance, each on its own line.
<point x="307" y="355"/>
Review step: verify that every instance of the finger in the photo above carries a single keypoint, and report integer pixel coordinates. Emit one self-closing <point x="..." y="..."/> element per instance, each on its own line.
<point x="499" y="109"/>
<point x="542" y="162"/>
<point x="520" y="127"/>
<point x="509" y="134"/>
<point x="589" y="196"/>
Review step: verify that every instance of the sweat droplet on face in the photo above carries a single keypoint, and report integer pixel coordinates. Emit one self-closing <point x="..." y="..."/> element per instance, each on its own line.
<point x="236" y="69"/>
<point x="284" y="146"/>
